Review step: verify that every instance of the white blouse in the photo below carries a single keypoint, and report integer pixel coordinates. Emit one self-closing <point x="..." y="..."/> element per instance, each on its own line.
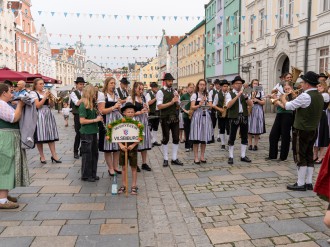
<point x="101" y="98"/>
<point x="7" y="113"/>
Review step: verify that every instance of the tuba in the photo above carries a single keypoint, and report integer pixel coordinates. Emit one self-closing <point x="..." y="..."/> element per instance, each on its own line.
<point x="295" y="73"/>
<point x="327" y="73"/>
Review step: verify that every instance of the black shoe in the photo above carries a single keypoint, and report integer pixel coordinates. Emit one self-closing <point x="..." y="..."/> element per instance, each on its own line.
<point x="165" y="164"/>
<point x="230" y="161"/>
<point x="156" y="144"/>
<point x="91" y="180"/>
<point x="117" y="171"/>
<point x="111" y="174"/>
<point x="255" y="148"/>
<point x="268" y="158"/>
<point x="97" y="178"/>
<point x="56" y="161"/>
<point x="177" y="162"/>
<point x="204" y="161"/>
<point x="223" y="147"/>
<point x="309" y="186"/>
<point x="146" y="167"/>
<point x="43" y="161"/>
<point x="250" y="147"/>
<point x="197" y="162"/>
<point x="296" y="187"/>
<point x="318" y="161"/>
<point x="138" y="169"/>
<point x="245" y="159"/>
<point x="218" y="140"/>
<point x="76" y="155"/>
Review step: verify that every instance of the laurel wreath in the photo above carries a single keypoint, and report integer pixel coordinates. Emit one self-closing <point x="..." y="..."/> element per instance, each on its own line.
<point x="110" y="126"/>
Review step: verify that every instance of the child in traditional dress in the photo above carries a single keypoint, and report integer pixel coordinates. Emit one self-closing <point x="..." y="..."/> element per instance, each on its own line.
<point x="132" y="148"/>
<point x="66" y="112"/>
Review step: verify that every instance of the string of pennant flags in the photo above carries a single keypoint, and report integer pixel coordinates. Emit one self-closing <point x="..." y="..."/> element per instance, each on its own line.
<point x="67" y="14"/>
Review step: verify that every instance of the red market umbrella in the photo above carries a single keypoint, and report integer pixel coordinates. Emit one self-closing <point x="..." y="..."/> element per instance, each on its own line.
<point x="8" y="74"/>
<point x="48" y="79"/>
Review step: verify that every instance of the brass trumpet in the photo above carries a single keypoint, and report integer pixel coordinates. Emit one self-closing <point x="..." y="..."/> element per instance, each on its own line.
<point x="53" y="98"/>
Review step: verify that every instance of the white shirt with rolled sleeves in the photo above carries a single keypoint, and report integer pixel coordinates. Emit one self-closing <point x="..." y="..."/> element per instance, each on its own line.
<point x="160" y="96"/>
<point x="148" y="98"/>
<point x="216" y="99"/>
<point x="211" y="95"/>
<point x="280" y="89"/>
<point x="74" y="98"/>
<point x="229" y="98"/>
<point x="302" y="101"/>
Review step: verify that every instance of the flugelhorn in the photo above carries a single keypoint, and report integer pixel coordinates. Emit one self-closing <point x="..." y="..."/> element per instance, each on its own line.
<point x="295" y="73"/>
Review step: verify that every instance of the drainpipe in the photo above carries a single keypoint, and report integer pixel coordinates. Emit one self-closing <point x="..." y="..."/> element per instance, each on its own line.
<point x="239" y="36"/>
<point x="308" y="34"/>
<point x="205" y="66"/>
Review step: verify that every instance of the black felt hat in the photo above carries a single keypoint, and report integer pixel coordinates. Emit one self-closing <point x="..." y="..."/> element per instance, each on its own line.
<point x="79" y="80"/>
<point x="124" y="80"/>
<point x="128" y="105"/>
<point x="217" y="81"/>
<point x="223" y="82"/>
<point x="311" y="78"/>
<point x="237" y="78"/>
<point x="168" y="77"/>
<point x="323" y="75"/>
<point x="153" y="84"/>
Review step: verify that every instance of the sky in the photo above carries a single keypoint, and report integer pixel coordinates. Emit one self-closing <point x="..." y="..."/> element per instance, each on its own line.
<point x="99" y="26"/>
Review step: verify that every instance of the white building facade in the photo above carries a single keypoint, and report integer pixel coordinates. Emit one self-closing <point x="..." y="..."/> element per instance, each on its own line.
<point x="46" y="65"/>
<point x="7" y="36"/>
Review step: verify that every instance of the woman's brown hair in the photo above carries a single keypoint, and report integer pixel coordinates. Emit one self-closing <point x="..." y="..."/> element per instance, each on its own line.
<point x="106" y="84"/>
<point x="35" y="82"/>
<point x="135" y="86"/>
<point x="197" y="87"/>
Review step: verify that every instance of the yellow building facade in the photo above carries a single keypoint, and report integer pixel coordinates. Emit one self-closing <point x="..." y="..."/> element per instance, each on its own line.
<point x="191" y="55"/>
<point x="149" y="73"/>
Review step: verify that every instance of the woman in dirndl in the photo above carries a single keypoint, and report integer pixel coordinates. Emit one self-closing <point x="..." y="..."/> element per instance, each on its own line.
<point x="257" y="117"/>
<point x="13" y="166"/>
<point x="201" y="129"/>
<point x="322" y="140"/>
<point x="46" y="131"/>
<point x="109" y="106"/>
<point x="137" y="98"/>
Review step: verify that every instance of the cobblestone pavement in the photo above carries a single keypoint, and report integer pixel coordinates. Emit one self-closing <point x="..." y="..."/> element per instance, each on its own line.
<point x="213" y="204"/>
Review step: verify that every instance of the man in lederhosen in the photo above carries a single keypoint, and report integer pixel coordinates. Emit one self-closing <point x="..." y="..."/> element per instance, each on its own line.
<point x="219" y="103"/>
<point x="75" y="100"/>
<point x="212" y="93"/>
<point x="122" y="90"/>
<point x="154" y="112"/>
<point x="308" y="106"/>
<point x="238" y="118"/>
<point x="167" y="102"/>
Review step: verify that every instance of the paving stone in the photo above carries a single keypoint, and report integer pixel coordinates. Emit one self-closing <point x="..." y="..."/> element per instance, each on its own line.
<point x="115" y="229"/>
<point x="16" y="241"/>
<point x="284" y="227"/>
<point x="30" y="231"/>
<point x="281" y="240"/>
<point x="269" y="190"/>
<point x="245" y="170"/>
<point x="200" y="196"/>
<point x="10" y="223"/>
<point x="60" y="189"/>
<point x="58" y="241"/>
<point x="226" y="234"/>
<point x="41" y="207"/>
<point x="31" y="223"/>
<point x="298" y="237"/>
<point x="226" y="178"/>
<point x="105" y="240"/>
<point x="212" y="173"/>
<point x="262" y="242"/>
<point x="211" y="202"/>
<point x="316" y="223"/>
<point x="180" y="176"/>
<point x="74" y="230"/>
<point x="63" y="215"/>
<point x="301" y="244"/>
<point x="232" y="193"/>
<point x="323" y="243"/>
<point x="5" y="216"/>
<point x="82" y="207"/>
<point x="53" y="222"/>
<point x="300" y="194"/>
<point x="115" y="214"/>
<point x="25" y="190"/>
<point x="50" y="175"/>
<point x="259" y="230"/>
<point x="52" y="182"/>
<point x="193" y="181"/>
<point x="71" y="199"/>
<point x="261" y="175"/>
<point x="275" y="196"/>
<point x="247" y="199"/>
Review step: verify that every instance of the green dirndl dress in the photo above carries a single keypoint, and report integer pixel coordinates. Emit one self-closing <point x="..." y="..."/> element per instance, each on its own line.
<point x="13" y="163"/>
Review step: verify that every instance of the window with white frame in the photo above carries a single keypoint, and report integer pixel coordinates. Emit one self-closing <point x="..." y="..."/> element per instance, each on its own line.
<point x="199" y="42"/>
<point x="208" y="37"/>
<point x="213" y="34"/>
<point x="259" y="70"/>
<point x="24" y="44"/>
<point x="219" y="5"/>
<point x="290" y="11"/>
<point x="325" y="5"/>
<point x="227" y="53"/>
<point x="280" y="13"/>
<point x="208" y="60"/>
<point x="213" y="58"/>
<point x="236" y="50"/>
<point x="219" y="56"/>
<point x="324" y="60"/>
<point x="236" y="19"/>
<point x="251" y="27"/>
<point x="219" y="29"/>
<point x="261" y="23"/>
<point x="227" y="24"/>
<point x="19" y="44"/>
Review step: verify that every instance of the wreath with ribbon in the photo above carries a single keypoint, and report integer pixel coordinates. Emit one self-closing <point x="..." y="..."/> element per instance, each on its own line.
<point x="110" y="126"/>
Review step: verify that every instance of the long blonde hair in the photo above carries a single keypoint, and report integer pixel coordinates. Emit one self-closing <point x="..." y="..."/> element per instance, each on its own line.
<point x="89" y="97"/>
<point x="106" y="85"/>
